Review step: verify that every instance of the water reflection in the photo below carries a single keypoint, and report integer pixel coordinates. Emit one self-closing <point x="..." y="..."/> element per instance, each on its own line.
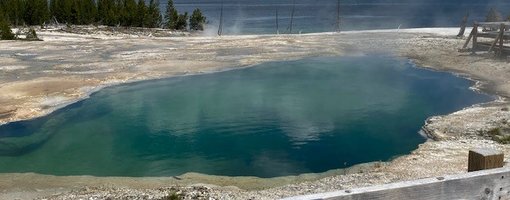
<point x="276" y="119"/>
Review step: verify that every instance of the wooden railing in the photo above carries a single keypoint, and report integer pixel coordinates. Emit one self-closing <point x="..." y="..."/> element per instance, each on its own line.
<point x="499" y="31"/>
<point x="488" y="181"/>
<point x="493" y="184"/>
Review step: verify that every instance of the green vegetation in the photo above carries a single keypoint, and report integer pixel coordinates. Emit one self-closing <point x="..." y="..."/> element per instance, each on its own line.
<point x="35" y="12"/>
<point x="500" y="135"/>
<point x="129" y="13"/>
<point x="197" y="20"/>
<point x="494" y="16"/>
<point x="182" y="22"/>
<point x="171" y="15"/>
<point x="173" y="196"/>
<point x="31" y="35"/>
<point x="141" y="14"/>
<point x="31" y="12"/>
<point x="5" y="30"/>
<point x="153" y="17"/>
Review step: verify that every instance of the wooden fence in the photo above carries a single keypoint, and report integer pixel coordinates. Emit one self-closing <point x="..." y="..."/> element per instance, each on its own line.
<point x="493" y="37"/>
<point x="493" y="184"/>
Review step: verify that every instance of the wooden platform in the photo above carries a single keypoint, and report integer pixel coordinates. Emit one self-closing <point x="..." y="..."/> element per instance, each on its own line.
<point x="495" y="35"/>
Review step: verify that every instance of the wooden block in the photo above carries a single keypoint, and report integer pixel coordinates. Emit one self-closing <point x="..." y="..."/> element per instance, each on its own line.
<point x="480" y="159"/>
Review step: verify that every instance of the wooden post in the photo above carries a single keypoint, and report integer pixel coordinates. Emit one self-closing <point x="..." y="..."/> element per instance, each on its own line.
<point x="499" y="39"/>
<point x="495" y="42"/>
<point x="469" y="39"/>
<point x="501" y="35"/>
<point x="481" y="159"/>
<point x="475" y="37"/>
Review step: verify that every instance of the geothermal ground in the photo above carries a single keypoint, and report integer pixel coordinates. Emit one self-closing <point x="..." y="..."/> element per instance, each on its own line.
<point x="37" y="78"/>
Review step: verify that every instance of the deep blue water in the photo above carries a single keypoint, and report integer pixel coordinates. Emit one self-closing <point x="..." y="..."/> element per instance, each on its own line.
<point x="258" y="16"/>
<point x="275" y="119"/>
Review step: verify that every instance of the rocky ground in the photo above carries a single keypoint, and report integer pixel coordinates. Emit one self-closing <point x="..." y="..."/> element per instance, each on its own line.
<point x="38" y="77"/>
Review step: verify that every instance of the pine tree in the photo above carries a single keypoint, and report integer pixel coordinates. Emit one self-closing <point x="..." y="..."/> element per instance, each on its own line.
<point x="106" y="12"/>
<point x="5" y="29"/>
<point x="76" y="15"/>
<point x="43" y="11"/>
<point x="36" y="12"/>
<point x="129" y="13"/>
<point x="101" y="11"/>
<point x="182" y="22"/>
<point x="3" y="15"/>
<point x="65" y="10"/>
<point x="141" y="12"/>
<point x="59" y="11"/>
<point x="88" y="11"/>
<point x="153" y="18"/>
<point x="53" y="8"/>
<point x="197" y="20"/>
<point x="14" y="11"/>
<point x="110" y="16"/>
<point x="123" y="13"/>
<point x="171" y="15"/>
<point x="494" y="16"/>
<point x="113" y="13"/>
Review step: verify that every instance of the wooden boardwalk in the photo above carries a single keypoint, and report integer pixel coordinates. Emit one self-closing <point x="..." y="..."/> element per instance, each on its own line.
<point x="489" y="37"/>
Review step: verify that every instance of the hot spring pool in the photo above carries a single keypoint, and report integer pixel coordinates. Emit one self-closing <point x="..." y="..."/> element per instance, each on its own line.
<point x="274" y="119"/>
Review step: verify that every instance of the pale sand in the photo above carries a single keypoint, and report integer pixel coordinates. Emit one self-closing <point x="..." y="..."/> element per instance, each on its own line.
<point x="39" y="77"/>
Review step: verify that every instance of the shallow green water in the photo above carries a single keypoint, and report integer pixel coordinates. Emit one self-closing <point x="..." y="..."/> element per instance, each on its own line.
<point x="280" y="118"/>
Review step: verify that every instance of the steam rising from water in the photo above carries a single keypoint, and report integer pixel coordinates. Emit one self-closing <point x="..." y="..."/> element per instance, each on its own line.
<point x="258" y="16"/>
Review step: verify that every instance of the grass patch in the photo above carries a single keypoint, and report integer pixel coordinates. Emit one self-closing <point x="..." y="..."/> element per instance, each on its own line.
<point x="500" y="135"/>
<point x="172" y="196"/>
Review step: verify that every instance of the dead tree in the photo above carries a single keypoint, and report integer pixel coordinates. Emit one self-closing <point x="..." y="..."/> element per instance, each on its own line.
<point x="463" y="25"/>
<point x="220" y="27"/>
<point x="292" y="16"/>
<point x="277" y="28"/>
<point x="338" y="17"/>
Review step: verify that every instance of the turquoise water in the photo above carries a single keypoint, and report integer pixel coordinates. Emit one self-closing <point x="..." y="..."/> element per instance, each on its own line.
<point x="275" y="119"/>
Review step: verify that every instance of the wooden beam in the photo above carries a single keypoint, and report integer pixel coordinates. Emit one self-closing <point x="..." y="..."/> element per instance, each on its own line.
<point x="481" y="159"/>
<point x="493" y="35"/>
<point x="501" y="33"/>
<point x="491" y="184"/>
<point x="469" y="39"/>
<point x="493" y="25"/>
<point x="494" y="43"/>
<point x="475" y="38"/>
<point x="484" y="46"/>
